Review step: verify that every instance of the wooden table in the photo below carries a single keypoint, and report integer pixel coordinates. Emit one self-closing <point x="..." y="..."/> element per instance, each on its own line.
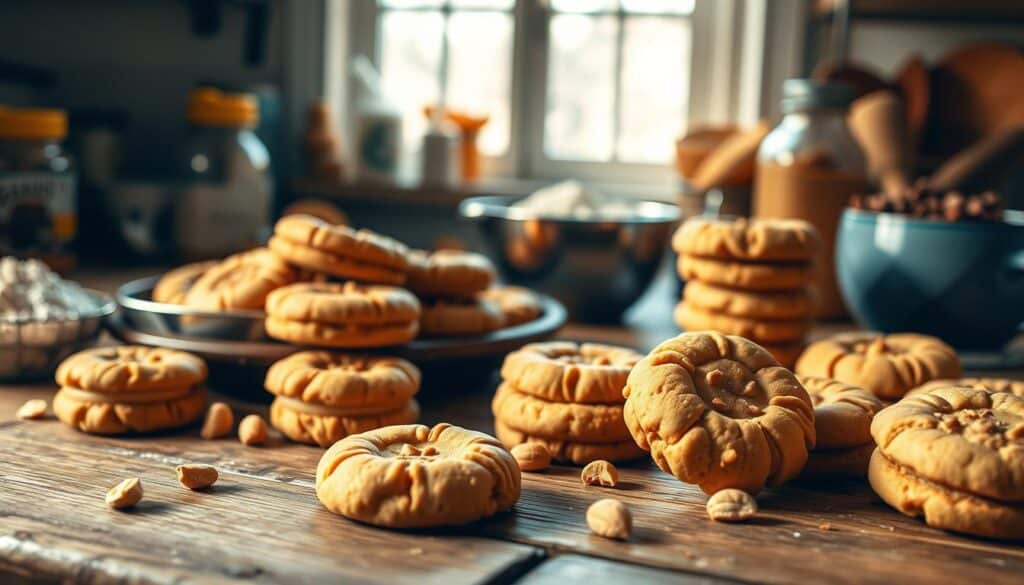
<point x="262" y="522"/>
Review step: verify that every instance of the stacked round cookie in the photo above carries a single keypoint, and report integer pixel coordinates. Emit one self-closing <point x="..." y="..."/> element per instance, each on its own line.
<point x="450" y="284"/>
<point x="749" y="278"/>
<point x="568" y="397"/>
<point x="322" y="397"/>
<point x="954" y="455"/>
<point x="842" y="425"/>
<point x="115" y="390"/>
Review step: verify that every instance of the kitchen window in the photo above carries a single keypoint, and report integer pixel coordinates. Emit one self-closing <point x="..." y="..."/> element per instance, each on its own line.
<point x="596" y="89"/>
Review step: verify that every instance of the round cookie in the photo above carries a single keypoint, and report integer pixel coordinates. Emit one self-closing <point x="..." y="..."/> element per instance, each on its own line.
<point x="518" y="304"/>
<point x="413" y="476"/>
<point x="241" y="281"/>
<point x="747" y="239"/>
<point x="941" y="506"/>
<point x="316" y="424"/>
<point x="771" y="331"/>
<point x="962" y="438"/>
<point x="887" y="365"/>
<point x="448" y="273"/>
<point x="571" y="451"/>
<point x="339" y="250"/>
<point x="344" y="380"/>
<point x="452" y="318"/>
<point x="342" y="267"/>
<point x="842" y="413"/>
<point x="762" y="276"/>
<point x="563" y="371"/>
<point x="340" y="336"/>
<point x="797" y="304"/>
<point x="720" y="412"/>
<point x="829" y="463"/>
<point x="584" y="423"/>
<point x="130" y="368"/>
<point x="990" y="384"/>
<point x="175" y="284"/>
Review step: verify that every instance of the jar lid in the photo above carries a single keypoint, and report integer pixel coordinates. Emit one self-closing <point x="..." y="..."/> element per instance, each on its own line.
<point x="810" y="94"/>
<point x="33" y="123"/>
<point x="211" y="107"/>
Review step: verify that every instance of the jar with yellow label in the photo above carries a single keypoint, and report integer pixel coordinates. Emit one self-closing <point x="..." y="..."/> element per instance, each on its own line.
<point x="38" y="201"/>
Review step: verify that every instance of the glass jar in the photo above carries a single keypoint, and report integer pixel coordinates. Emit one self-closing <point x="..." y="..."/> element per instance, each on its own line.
<point x="807" y="168"/>
<point x="225" y="200"/>
<point x="38" y="202"/>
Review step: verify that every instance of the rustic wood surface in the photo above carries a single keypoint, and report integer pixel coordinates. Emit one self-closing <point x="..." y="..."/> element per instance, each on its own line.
<point x="262" y="522"/>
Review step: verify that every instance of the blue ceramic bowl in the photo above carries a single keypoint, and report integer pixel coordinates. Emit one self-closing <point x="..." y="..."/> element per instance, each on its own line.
<point x="961" y="282"/>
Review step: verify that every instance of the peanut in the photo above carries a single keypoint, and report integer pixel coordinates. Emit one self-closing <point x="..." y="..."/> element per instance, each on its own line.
<point x="32" y="410"/>
<point x="731" y="505"/>
<point x="600" y="472"/>
<point x="196" y="476"/>
<point x="714" y="377"/>
<point x="610" y="518"/>
<point x="252" y="430"/>
<point x="532" y="456"/>
<point x="218" y="422"/>
<point x="125" y="494"/>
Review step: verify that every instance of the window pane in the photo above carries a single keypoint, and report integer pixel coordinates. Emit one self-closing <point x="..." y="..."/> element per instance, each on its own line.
<point x="411" y="3"/>
<point x="581" y="67"/>
<point x="658" y="6"/>
<point x="479" y="72"/>
<point x="580" y="6"/>
<point x="654" y="87"/>
<point x="488" y="4"/>
<point x="410" y="65"/>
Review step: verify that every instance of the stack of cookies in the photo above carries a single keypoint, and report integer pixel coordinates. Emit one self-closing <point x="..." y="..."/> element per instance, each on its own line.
<point x="842" y="424"/>
<point x="567" y="397"/>
<point x="749" y="278"/>
<point x="322" y="397"/>
<point x="449" y="284"/>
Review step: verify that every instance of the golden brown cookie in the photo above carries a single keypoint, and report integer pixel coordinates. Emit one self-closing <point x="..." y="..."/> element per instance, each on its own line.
<point x="448" y="273"/>
<point x="584" y="423"/>
<point x="720" y="412"/>
<point x="129" y="368"/>
<point x="990" y="384"/>
<point x="942" y="506"/>
<point x="571" y="451"/>
<point x="778" y="331"/>
<point x="829" y="463"/>
<point x="747" y="239"/>
<point x="342" y="315"/>
<point x="452" y="318"/>
<point x="241" y="281"/>
<point x="962" y="438"/>
<point x="339" y="250"/>
<point x="518" y="304"/>
<point x="762" y="276"/>
<point x="175" y="284"/>
<point x="412" y="476"/>
<point x="796" y="304"/>
<point x="316" y="424"/>
<point x="887" y="365"/>
<point x="842" y="413"/>
<point x="564" y="371"/>
<point x="344" y="380"/>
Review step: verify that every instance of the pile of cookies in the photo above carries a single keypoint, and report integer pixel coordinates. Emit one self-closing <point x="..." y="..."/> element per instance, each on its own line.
<point x="322" y="397"/>
<point x="749" y="278"/>
<point x="842" y="426"/>
<point x="449" y="284"/>
<point x="567" y="397"/>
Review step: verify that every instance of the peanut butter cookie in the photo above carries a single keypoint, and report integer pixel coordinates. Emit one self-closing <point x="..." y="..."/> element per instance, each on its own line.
<point x="344" y="380"/>
<point x="887" y="365"/>
<point x="518" y="304"/>
<point x="842" y="413"/>
<point x="457" y="317"/>
<point x="175" y="284"/>
<point x="763" y="276"/>
<point x="990" y="384"/>
<point x="720" y="412"/>
<point x="584" y="423"/>
<point x="768" y="330"/>
<point x="316" y="424"/>
<point x="448" y="273"/>
<point x="747" y="239"/>
<point x="413" y="476"/>
<point x="241" y="281"/>
<point x="563" y="371"/>
<point x="130" y="367"/>
<point x="573" y="452"/>
<point x="796" y="304"/>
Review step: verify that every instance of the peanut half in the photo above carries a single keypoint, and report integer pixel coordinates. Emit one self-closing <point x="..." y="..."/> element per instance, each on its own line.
<point x="531" y="456"/>
<point x="32" y="409"/>
<point x="252" y="431"/>
<point x="610" y="518"/>
<point x="600" y="472"/>
<point x="196" y="476"/>
<point x="125" y="494"/>
<point x="218" y="422"/>
<point x="731" y="505"/>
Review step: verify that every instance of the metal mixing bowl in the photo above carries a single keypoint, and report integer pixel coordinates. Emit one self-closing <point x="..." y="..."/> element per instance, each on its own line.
<point x="596" y="267"/>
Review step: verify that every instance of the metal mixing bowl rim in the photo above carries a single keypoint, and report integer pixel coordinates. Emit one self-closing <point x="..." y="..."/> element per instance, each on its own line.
<point x="499" y="207"/>
<point x="105" y="307"/>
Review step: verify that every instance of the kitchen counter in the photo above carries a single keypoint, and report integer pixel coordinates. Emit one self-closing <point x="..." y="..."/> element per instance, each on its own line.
<point x="262" y="522"/>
